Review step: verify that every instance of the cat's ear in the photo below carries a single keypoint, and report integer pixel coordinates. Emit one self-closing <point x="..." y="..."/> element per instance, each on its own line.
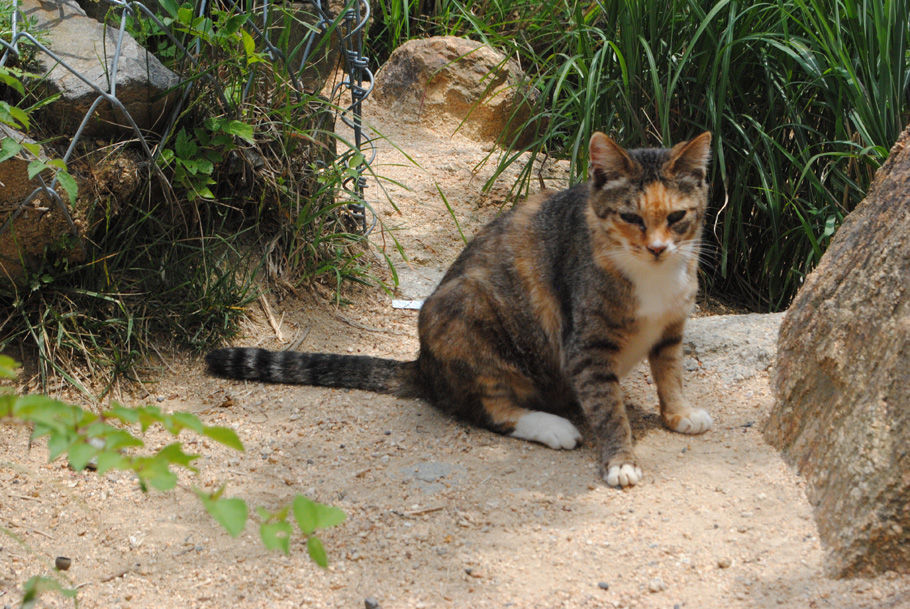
<point x="690" y="159"/>
<point x="610" y="162"/>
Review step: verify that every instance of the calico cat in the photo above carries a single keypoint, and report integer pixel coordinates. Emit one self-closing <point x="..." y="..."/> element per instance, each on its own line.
<point x="547" y="308"/>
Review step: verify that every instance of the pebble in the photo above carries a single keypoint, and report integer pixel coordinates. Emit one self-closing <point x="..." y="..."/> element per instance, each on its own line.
<point x="370" y="603"/>
<point x="62" y="563"/>
<point x="603" y="585"/>
<point x="657" y="585"/>
<point x="724" y="562"/>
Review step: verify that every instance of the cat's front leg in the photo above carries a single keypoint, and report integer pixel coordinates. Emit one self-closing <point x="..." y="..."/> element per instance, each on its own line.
<point x="665" y="358"/>
<point x="601" y="400"/>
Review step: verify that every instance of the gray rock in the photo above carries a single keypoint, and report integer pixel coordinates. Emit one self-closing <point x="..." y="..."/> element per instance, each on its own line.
<point x="431" y="471"/>
<point x="418" y="283"/>
<point x="736" y="347"/>
<point x="428" y="474"/>
<point x="88" y="47"/>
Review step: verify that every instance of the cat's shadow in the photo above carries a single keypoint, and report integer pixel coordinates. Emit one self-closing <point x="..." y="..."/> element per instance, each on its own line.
<point x="642" y="419"/>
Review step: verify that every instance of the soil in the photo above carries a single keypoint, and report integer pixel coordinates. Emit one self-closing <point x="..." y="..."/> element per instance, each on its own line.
<point x="439" y="514"/>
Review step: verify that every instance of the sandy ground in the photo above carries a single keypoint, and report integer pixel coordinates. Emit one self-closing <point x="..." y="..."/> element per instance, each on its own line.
<point x="439" y="514"/>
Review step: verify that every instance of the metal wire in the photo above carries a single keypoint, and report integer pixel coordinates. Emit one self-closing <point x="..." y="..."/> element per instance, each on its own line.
<point x="356" y="71"/>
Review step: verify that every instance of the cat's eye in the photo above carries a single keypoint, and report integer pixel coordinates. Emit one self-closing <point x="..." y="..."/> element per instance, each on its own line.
<point x="676" y="216"/>
<point x="633" y="219"/>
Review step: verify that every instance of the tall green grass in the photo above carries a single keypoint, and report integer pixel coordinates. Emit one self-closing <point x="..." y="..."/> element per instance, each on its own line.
<point x="804" y="98"/>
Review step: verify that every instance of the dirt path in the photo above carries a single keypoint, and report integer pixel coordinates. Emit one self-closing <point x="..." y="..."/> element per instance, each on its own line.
<point x="439" y="514"/>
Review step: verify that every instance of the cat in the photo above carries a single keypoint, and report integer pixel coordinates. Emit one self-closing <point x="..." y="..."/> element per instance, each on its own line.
<point x="547" y="308"/>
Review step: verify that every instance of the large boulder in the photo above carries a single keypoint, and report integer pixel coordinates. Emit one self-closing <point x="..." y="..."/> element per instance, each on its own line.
<point x="465" y="83"/>
<point x="143" y="84"/>
<point x="842" y="381"/>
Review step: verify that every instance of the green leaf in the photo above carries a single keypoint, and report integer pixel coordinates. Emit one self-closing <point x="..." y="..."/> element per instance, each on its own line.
<point x="311" y="515"/>
<point x="276" y="535"/>
<point x="32" y="147"/>
<point x="305" y="514"/>
<point x="184" y="146"/>
<point x="80" y="454"/>
<point x="240" y="129"/>
<point x="8" y="366"/>
<point x="328" y="516"/>
<point x="157" y="472"/>
<point x="36" y="167"/>
<point x="11" y="81"/>
<point x="188" y="420"/>
<point x="204" y="192"/>
<point x="13" y="116"/>
<point x="6" y="404"/>
<point x="317" y="552"/>
<point x="122" y="413"/>
<point x="57" y="444"/>
<point x="204" y="166"/>
<point x="173" y="453"/>
<point x="8" y="148"/>
<point x="229" y="513"/>
<point x="148" y="415"/>
<point x="170" y="6"/>
<point x="233" y="24"/>
<point x="224" y="435"/>
<point x="108" y="460"/>
<point x="185" y="15"/>
<point x="249" y="45"/>
<point x="20" y="116"/>
<point x="118" y="438"/>
<point x="69" y="184"/>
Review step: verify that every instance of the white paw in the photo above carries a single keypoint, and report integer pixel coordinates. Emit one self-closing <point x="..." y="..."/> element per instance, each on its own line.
<point x="623" y="475"/>
<point x="696" y="421"/>
<point x="554" y="431"/>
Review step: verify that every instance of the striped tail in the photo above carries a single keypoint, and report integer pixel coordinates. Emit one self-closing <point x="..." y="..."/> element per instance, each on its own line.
<point x="323" y="369"/>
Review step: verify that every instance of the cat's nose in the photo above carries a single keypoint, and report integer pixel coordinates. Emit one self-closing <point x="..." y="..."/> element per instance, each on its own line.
<point x="657" y="249"/>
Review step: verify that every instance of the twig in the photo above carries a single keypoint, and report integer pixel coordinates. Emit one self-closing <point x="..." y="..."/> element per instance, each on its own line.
<point x="420" y="512"/>
<point x="296" y="344"/>
<point x="41" y="533"/>
<point x="360" y="326"/>
<point x="268" y="313"/>
<point x="162" y="358"/>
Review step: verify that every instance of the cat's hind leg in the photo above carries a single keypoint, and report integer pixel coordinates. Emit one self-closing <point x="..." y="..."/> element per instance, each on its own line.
<point x="500" y="401"/>
<point x="550" y="429"/>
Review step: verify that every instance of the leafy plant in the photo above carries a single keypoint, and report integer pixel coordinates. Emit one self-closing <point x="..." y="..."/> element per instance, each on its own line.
<point x="105" y="442"/>
<point x="244" y="188"/>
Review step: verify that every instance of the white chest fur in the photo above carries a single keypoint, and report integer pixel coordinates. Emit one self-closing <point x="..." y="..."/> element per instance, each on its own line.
<point x="665" y="294"/>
